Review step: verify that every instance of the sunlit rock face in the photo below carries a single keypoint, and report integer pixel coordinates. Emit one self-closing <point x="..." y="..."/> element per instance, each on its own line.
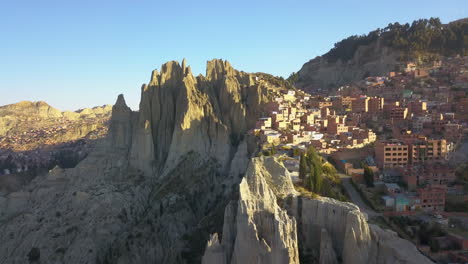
<point x="208" y="114"/>
<point x="171" y="176"/>
<point x="156" y="188"/>
<point x="258" y="230"/>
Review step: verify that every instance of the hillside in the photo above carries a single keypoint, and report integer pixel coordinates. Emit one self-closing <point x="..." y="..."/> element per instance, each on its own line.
<point x="169" y="178"/>
<point x="18" y="119"/>
<point x="34" y="137"/>
<point x="381" y="50"/>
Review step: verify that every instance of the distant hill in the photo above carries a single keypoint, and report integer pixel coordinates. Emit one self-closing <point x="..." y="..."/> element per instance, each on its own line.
<point x="381" y="50"/>
<point x="41" y="109"/>
<point x="26" y="113"/>
<point x="27" y="108"/>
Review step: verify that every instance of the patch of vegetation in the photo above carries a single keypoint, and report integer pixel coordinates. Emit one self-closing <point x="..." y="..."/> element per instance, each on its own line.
<point x="456" y="206"/>
<point x="319" y="176"/>
<point x="364" y="197"/>
<point x="276" y="80"/>
<point x="305" y="192"/>
<point x="293" y="78"/>
<point x="423" y="231"/>
<point x="462" y="173"/>
<point x="422" y="37"/>
<point x="311" y="170"/>
<point x="368" y="176"/>
<point x="271" y="151"/>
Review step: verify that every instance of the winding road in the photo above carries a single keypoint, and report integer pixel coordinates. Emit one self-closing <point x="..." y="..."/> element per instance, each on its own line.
<point x="356" y="197"/>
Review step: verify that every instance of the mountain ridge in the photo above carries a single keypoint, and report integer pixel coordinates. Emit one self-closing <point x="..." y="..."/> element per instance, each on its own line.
<point x="381" y="50"/>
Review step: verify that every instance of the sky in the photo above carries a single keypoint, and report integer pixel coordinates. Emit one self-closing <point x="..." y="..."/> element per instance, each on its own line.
<point x="76" y="54"/>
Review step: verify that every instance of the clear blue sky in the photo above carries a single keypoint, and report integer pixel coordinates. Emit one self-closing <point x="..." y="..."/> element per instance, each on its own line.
<point x="76" y="54"/>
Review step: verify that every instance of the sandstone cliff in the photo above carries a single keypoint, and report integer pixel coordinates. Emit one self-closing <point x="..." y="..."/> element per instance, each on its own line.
<point x="259" y="231"/>
<point x="327" y="231"/>
<point x="180" y="113"/>
<point x="175" y="172"/>
<point x="155" y="189"/>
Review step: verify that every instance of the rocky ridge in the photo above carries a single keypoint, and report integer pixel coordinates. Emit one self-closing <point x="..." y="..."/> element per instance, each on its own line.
<point x="380" y="51"/>
<point x="170" y="175"/>
<point x="374" y="59"/>
<point x="208" y="114"/>
<point x="323" y="230"/>
<point x="156" y="188"/>
<point x="256" y="229"/>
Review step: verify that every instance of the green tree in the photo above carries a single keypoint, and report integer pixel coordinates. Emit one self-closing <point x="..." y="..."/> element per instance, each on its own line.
<point x="368" y="176"/>
<point x="314" y="164"/>
<point x="302" y="167"/>
<point x="273" y="149"/>
<point x="318" y="178"/>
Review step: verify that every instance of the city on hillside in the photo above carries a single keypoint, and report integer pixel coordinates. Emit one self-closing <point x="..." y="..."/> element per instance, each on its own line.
<point x="401" y="139"/>
<point x="234" y="132"/>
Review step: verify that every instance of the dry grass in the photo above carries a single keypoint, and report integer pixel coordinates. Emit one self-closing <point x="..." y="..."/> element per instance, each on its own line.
<point x="306" y="193"/>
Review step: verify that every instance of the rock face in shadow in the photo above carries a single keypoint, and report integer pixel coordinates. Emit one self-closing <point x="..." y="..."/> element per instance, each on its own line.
<point x="155" y="189"/>
<point x="327" y="253"/>
<point x="327" y="231"/>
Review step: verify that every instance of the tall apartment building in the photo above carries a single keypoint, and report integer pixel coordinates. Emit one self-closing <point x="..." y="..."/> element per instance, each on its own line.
<point x="425" y="150"/>
<point x="346" y="101"/>
<point x="390" y="154"/>
<point x="394" y="111"/>
<point x="398" y="113"/>
<point x="376" y="104"/>
<point x="417" y="107"/>
<point x="360" y="105"/>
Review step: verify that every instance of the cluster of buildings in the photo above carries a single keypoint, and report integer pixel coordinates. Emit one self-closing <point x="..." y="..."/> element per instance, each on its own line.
<point x="298" y="120"/>
<point x="405" y="127"/>
<point x="422" y="120"/>
<point x="413" y="118"/>
<point x="420" y="115"/>
<point x="31" y="148"/>
<point x="26" y="138"/>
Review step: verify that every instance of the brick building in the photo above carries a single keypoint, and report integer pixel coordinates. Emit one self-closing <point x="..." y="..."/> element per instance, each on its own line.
<point x="360" y="105"/>
<point x="425" y="150"/>
<point x="417" y="107"/>
<point x="376" y="104"/>
<point x="433" y="197"/>
<point x="390" y="154"/>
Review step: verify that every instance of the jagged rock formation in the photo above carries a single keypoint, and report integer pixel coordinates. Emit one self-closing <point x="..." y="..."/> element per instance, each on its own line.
<point x="208" y="114"/>
<point x="260" y="231"/>
<point x="170" y="175"/>
<point x="328" y="231"/>
<point x="158" y="185"/>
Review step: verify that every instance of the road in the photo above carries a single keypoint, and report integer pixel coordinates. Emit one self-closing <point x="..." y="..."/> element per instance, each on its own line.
<point x="356" y="197"/>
